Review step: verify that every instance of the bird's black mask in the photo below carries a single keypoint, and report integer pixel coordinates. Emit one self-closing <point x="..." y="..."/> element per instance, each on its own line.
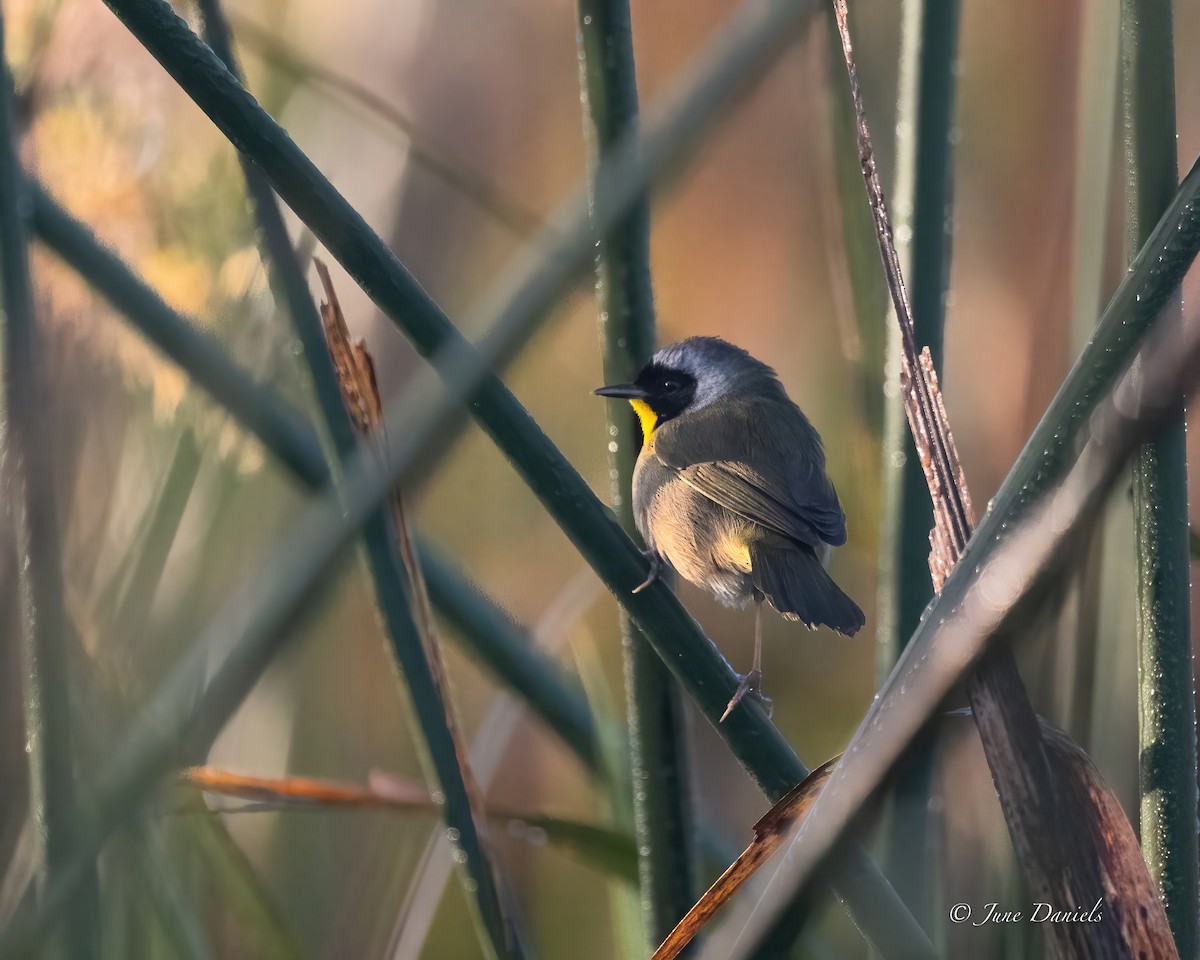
<point x="667" y="392"/>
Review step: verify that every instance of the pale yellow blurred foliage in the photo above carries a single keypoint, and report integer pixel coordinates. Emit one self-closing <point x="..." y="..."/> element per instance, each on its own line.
<point x="231" y="443"/>
<point x="69" y="304"/>
<point x="180" y="277"/>
<point x="91" y="151"/>
<point x="241" y="275"/>
<point x="22" y="19"/>
<point x="82" y="153"/>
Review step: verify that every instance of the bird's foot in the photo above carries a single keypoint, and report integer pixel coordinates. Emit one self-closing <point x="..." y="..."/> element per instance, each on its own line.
<point x="656" y="566"/>
<point x="751" y="684"/>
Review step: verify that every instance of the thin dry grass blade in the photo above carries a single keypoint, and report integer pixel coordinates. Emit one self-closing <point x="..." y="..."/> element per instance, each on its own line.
<point x="392" y="792"/>
<point x="609" y="849"/>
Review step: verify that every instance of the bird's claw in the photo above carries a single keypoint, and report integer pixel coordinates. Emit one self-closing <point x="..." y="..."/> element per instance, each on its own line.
<point x="751" y="684"/>
<point x="655" y="571"/>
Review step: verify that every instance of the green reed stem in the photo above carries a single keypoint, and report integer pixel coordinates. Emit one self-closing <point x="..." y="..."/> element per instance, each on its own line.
<point x="29" y="463"/>
<point x="663" y="819"/>
<point x="929" y="45"/>
<point x="1166" y="695"/>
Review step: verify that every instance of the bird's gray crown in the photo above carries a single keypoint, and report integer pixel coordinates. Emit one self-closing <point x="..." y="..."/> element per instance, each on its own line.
<point x="717" y="366"/>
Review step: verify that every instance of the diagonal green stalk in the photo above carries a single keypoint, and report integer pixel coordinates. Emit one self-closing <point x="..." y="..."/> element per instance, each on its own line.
<point x="1166" y="698"/>
<point x="929" y="42"/>
<point x="663" y="817"/>
<point x="28" y="459"/>
<point x="445" y="767"/>
<point x="488" y="633"/>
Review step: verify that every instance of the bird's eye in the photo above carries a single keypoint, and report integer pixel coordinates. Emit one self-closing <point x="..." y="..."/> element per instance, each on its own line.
<point x="669" y="385"/>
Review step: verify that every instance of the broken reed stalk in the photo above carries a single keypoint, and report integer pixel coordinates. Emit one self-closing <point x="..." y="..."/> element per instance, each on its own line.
<point x="1166" y="682"/>
<point x="31" y="492"/>
<point x="663" y="816"/>
<point x="770" y="832"/>
<point x="447" y="759"/>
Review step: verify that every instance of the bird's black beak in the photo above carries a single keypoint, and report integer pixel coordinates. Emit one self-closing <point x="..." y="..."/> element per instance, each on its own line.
<point x="624" y="391"/>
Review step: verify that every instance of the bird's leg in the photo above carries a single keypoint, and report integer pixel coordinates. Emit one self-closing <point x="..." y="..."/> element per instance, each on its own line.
<point x="656" y="566"/>
<point x="751" y="683"/>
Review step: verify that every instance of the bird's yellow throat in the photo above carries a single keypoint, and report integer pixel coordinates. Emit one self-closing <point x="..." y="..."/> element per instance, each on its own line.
<point x="647" y="417"/>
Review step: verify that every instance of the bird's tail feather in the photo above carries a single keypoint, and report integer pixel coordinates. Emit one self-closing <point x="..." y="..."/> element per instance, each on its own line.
<point x="799" y="587"/>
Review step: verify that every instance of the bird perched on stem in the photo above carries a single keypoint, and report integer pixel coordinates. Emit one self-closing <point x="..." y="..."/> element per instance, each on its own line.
<point x="730" y="489"/>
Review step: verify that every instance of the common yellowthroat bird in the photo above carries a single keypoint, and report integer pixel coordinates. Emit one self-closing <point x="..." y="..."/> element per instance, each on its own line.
<point x="730" y="489"/>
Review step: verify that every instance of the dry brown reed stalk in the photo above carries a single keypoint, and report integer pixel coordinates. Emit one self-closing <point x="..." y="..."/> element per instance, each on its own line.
<point x="1065" y="858"/>
<point x="355" y="372"/>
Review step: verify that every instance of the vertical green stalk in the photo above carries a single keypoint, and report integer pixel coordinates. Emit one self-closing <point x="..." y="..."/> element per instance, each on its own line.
<point x="662" y="809"/>
<point x="29" y="463"/>
<point x="1167" y="716"/>
<point x="1092" y="638"/>
<point x="439" y="748"/>
<point x="929" y="40"/>
<point x="150" y="554"/>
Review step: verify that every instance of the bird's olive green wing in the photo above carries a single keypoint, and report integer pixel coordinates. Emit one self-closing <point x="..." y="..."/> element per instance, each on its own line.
<point x="760" y="459"/>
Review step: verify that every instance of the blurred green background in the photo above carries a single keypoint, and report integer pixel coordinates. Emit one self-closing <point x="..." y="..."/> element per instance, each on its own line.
<point x="747" y="245"/>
